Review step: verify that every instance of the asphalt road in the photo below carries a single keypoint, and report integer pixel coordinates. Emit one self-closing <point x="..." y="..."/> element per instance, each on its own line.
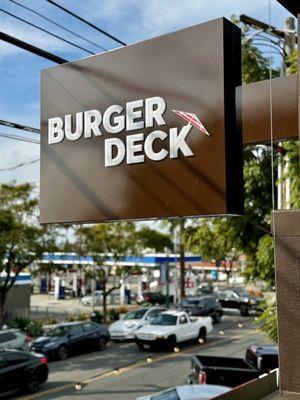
<point x="122" y="372"/>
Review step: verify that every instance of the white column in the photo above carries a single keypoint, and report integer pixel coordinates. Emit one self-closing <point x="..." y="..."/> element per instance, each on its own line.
<point x="139" y="285"/>
<point x="122" y="292"/>
<point x="56" y="287"/>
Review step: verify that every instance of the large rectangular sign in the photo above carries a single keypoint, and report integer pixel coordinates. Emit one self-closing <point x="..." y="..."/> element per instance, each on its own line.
<point x="146" y="131"/>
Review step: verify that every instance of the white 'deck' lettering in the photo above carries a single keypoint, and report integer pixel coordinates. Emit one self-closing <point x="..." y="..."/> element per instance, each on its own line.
<point x="150" y="153"/>
<point x="109" y="145"/>
<point x="177" y="142"/>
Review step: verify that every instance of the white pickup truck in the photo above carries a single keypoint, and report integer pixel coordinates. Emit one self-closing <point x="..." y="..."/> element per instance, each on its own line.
<point x="170" y="328"/>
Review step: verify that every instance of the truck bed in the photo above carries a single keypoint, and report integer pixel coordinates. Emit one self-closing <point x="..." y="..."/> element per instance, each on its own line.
<point x="223" y="371"/>
<point x="223" y="362"/>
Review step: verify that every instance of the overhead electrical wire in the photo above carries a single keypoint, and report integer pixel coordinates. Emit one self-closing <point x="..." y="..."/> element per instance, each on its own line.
<point x="87" y="22"/>
<point x="32" y="49"/>
<point x="19" y="126"/>
<point x="46" y="31"/>
<point x="58" y="25"/>
<point x="23" y="164"/>
<point x="16" y="137"/>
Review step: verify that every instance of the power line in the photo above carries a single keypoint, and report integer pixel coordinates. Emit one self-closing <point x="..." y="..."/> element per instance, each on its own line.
<point x="86" y="22"/>
<point x="59" y="25"/>
<point x="19" y="126"/>
<point x="46" y="31"/>
<point x="22" y="139"/>
<point x="32" y="49"/>
<point x="19" y="165"/>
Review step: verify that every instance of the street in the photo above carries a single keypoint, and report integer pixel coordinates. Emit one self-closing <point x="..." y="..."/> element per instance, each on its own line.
<point x="123" y="372"/>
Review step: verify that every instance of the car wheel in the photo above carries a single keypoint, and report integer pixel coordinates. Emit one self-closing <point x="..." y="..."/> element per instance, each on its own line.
<point x="244" y="310"/>
<point x="32" y="387"/>
<point x="171" y="343"/>
<point x="202" y="335"/>
<point x="140" y="346"/>
<point x="216" y="317"/>
<point x="102" y="344"/>
<point x="62" y="353"/>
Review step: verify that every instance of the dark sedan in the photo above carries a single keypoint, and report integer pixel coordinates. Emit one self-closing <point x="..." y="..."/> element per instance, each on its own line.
<point x="70" y="338"/>
<point x="238" y="298"/>
<point x="21" y="372"/>
<point x="154" y="298"/>
<point x="207" y="306"/>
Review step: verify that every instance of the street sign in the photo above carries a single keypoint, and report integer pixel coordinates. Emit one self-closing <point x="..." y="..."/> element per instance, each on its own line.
<point x="146" y="131"/>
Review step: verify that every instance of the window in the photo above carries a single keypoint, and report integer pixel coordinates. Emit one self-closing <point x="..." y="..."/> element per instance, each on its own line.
<point x="61" y="330"/>
<point x="153" y="314"/>
<point x="87" y="327"/>
<point x="76" y="330"/>
<point x="183" y="319"/>
<point x="137" y="314"/>
<point x="7" y="336"/>
<point x="165" y="319"/>
<point x="15" y="358"/>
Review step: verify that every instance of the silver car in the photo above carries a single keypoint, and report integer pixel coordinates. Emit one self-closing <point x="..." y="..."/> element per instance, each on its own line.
<point x="125" y="329"/>
<point x="13" y="339"/>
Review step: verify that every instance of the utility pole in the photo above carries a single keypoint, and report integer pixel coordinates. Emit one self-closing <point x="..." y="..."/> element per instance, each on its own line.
<point x="182" y="259"/>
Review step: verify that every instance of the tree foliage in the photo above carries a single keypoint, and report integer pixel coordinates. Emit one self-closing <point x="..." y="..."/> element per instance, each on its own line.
<point x="22" y="239"/>
<point x="152" y="239"/>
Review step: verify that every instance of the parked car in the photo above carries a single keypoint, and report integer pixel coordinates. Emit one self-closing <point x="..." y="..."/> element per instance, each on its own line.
<point x="70" y="338"/>
<point x="126" y="328"/>
<point x="188" y="392"/>
<point x="203" y="306"/>
<point x="238" y="298"/>
<point x="14" y="339"/>
<point x="21" y="371"/>
<point x="97" y="299"/>
<point x="231" y="371"/>
<point x="153" y="298"/>
<point x="172" y="327"/>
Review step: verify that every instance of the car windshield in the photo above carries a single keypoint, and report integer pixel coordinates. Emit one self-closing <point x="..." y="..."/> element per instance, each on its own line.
<point x="164" y="319"/>
<point x="137" y="314"/>
<point x="58" y="331"/>
<point x="168" y="395"/>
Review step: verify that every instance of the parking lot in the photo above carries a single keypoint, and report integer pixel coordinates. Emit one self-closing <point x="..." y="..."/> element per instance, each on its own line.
<point x="122" y="371"/>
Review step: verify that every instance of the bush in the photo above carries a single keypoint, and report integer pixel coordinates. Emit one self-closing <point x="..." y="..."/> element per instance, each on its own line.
<point x="19" y="323"/>
<point x="51" y="321"/>
<point x="113" y="314"/>
<point x="81" y="317"/>
<point x="123" y="310"/>
<point x="31" y="328"/>
<point x="96" y="316"/>
<point x="268" y="321"/>
<point x="34" y="328"/>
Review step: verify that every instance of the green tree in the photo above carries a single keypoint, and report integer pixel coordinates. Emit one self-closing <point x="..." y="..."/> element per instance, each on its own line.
<point x="22" y="239"/>
<point x="104" y="241"/>
<point x="153" y="239"/>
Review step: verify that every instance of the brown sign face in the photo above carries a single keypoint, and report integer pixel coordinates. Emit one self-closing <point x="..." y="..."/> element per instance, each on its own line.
<point x="145" y="131"/>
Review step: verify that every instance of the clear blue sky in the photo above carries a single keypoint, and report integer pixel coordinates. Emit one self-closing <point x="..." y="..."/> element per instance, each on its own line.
<point x="129" y="20"/>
